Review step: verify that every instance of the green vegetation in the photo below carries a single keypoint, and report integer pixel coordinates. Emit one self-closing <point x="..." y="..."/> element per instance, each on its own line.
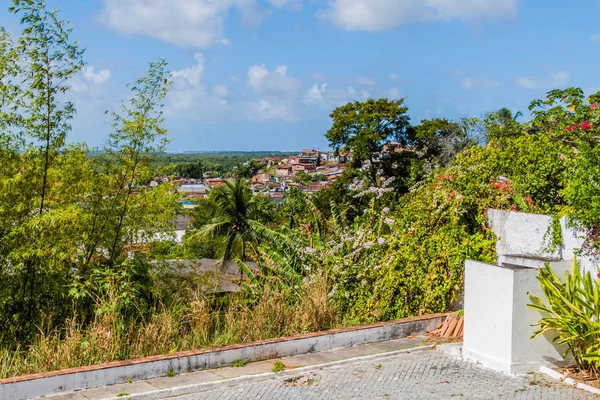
<point x="239" y="363"/>
<point x="572" y="314"/>
<point x="196" y="165"/>
<point x="278" y="367"/>
<point x="387" y="240"/>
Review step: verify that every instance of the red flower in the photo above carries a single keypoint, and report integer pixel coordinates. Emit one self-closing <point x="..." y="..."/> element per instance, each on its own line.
<point x="572" y="127"/>
<point x="598" y="275"/>
<point x="594" y="106"/>
<point x="514" y="207"/>
<point x="529" y="200"/>
<point x="586" y="126"/>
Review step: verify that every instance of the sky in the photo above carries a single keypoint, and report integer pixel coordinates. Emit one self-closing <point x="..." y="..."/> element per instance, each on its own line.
<point x="266" y="74"/>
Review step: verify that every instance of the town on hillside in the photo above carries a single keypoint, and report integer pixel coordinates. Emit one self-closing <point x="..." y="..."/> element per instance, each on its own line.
<point x="310" y="171"/>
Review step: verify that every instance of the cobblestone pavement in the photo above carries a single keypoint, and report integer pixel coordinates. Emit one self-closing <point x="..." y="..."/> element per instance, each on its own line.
<point x="420" y="375"/>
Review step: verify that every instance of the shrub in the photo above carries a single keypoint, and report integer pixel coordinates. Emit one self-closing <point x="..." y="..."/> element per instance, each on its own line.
<point x="572" y="313"/>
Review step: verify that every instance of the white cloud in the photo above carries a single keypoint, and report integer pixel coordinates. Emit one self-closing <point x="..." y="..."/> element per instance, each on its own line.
<point x="316" y="93"/>
<point x="92" y="96"/>
<point x="326" y="98"/>
<point x="189" y="99"/>
<point x="99" y="77"/>
<point x="365" y="81"/>
<point x="221" y="91"/>
<point x="394" y="76"/>
<point x="185" y="23"/>
<point x="279" y="94"/>
<point x="479" y="82"/>
<point x="554" y="80"/>
<point x="192" y="74"/>
<point x="277" y="82"/>
<point x="365" y="94"/>
<point x="294" y="4"/>
<point x="379" y="15"/>
<point x="88" y="77"/>
<point x="267" y="110"/>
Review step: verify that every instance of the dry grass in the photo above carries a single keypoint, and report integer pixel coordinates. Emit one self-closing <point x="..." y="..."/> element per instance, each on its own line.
<point x="191" y="324"/>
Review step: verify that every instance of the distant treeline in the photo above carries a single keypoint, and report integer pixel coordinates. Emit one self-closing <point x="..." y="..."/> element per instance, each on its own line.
<point x="226" y="160"/>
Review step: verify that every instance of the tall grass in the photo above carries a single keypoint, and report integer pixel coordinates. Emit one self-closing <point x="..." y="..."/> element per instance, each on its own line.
<point x="192" y="322"/>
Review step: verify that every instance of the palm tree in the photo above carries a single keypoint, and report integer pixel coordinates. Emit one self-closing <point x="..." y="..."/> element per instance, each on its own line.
<point x="235" y="219"/>
<point x="505" y="115"/>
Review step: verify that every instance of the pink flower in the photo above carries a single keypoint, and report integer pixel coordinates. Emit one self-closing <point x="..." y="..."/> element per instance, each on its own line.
<point x="586" y="126"/>
<point x="594" y="106"/>
<point x="386" y="210"/>
<point x="380" y="241"/>
<point x="389" y="221"/>
<point x="572" y="127"/>
<point x="514" y="207"/>
<point x="598" y="275"/>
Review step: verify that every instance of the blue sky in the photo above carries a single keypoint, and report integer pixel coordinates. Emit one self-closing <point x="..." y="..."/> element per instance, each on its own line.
<point x="265" y="74"/>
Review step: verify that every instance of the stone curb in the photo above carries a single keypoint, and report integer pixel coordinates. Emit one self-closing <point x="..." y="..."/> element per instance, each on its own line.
<point x="569" y="381"/>
<point x="246" y="379"/>
<point x="94" y="376"/>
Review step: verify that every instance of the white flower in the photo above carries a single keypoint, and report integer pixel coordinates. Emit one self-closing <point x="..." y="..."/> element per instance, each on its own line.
<point x="386" y="210"/>
<point x="389" y="221"/>
<point x="381" y="241"/>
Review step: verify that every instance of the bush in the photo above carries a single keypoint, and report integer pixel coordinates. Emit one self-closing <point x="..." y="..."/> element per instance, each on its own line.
<point x="572" y="313"/>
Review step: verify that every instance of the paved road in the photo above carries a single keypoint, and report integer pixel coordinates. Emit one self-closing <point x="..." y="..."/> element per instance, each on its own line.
<point x="422" y="375"/>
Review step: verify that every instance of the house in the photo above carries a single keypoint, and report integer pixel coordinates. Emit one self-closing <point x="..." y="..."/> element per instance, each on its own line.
<point x="215" y="182"/>
<point x="293" y="160"/>
<point x="298" y="168"/>
<point x="272" y="161"/>
<point x="283" y="170"/>
<point x="309" y="157"/>
<point x="262" y="178"/>
<point x="193" y="189"/>
<point x="328" y="157"/>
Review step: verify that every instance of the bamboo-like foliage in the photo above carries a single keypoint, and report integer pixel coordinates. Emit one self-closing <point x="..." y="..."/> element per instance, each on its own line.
<point x="572" y="313"/>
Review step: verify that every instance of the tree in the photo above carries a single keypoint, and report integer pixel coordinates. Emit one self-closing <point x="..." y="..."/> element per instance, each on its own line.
<point x="363" y="129"/>
<point x="437" y="142"/>
<point x="51" y="59"/>
<point x="193" y="170"/>
<point x="302" y="178"/>
<point x="237" y="218"/>
<point x="118" y="215"/>
<point x="502" y="124"/>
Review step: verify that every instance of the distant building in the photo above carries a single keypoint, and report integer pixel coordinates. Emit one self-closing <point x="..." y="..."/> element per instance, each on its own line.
<point x="193" y="189"/>
<point x="215" y="182"/>
<point x="309" y="157"/>
<point x="262" y="178"/>
<point x="283" y="170"/>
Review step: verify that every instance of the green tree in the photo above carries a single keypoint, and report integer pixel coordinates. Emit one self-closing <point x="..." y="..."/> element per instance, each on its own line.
<point x="437" y="142"/>
<point x="363" y="129"/>
<point x="121" y="212"/>
<point x="193" y="170"/>
<point x="237" y="218"/>
<point x="51" y="60"/>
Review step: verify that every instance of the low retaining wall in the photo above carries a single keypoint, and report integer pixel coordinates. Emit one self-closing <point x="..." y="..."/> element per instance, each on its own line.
<point x="50" y="383"/>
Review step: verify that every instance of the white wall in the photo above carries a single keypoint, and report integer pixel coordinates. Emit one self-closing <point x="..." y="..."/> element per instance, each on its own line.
<point x="498" y="323"/>
<point x="488" y="314"/>
<point x="523" y="236"/>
